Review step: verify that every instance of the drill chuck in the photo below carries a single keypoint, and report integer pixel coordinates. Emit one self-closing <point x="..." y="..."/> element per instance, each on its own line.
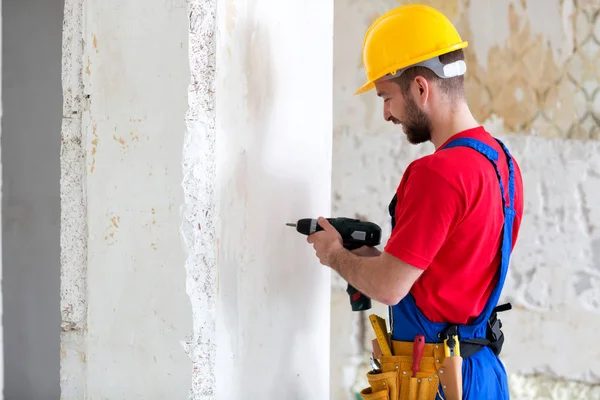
<point x="308" y="226"/>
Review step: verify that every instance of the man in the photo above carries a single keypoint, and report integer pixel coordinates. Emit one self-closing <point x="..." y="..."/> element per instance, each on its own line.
<point x="446" y="260"/>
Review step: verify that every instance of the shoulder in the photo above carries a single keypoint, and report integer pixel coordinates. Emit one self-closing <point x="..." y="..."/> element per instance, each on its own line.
<point x="430" y="176"/>
<point x="450" y="165"/>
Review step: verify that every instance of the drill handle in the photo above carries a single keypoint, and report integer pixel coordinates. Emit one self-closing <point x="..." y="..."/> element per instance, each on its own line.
<point x="358" y="301"/>
<point x="352" y="245"/>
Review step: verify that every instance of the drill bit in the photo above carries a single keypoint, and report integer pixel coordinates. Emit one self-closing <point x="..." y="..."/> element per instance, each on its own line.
<point x="290" y="224"/>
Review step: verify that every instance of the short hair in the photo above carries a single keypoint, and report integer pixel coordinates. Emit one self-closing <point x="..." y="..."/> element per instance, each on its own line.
<point x="453" y="87"/>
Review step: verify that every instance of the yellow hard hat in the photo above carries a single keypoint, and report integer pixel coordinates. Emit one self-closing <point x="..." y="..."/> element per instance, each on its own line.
<point x="405" y="36"/>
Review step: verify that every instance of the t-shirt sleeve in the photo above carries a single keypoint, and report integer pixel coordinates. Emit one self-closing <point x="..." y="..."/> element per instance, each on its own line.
<point x="428" y="209"/>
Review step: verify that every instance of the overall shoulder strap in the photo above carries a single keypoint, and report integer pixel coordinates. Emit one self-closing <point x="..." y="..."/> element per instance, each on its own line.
<point x="488" y="317"/>
<point x="475" y="144"/>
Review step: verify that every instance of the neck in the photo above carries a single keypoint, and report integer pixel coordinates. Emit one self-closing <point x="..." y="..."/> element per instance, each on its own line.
<point x="450" y="122"/>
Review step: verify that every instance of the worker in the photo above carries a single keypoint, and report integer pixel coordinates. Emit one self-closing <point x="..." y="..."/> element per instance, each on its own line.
<point x="455" y="215"/>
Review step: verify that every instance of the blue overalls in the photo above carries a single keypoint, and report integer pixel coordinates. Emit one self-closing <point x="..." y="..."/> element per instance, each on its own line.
<point x="484" y="376"/>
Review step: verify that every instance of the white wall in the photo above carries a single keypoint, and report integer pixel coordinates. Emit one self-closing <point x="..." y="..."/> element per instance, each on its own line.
<point x="256" y="154"/>
<point x="274" y="128"/>
<point x="542" y="103"/>
<point x="124" y="302"/>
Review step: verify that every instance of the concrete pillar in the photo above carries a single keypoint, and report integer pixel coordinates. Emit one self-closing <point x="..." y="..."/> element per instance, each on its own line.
<point x="124" y="305"/>
<point x="179" y="276"/>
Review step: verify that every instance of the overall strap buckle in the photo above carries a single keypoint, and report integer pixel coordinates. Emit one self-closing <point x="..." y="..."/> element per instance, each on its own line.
<point x="494" y="329"/>
<point x="494" y="337"/>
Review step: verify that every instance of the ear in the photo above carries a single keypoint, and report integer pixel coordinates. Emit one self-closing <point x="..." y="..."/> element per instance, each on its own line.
<point x="421" y="89"/>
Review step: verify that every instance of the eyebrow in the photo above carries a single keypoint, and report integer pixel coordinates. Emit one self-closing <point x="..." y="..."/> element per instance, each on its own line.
<point x="381" y="94"/>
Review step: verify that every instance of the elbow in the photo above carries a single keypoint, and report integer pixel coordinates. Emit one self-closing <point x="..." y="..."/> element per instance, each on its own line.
<point x="392" y="297"/>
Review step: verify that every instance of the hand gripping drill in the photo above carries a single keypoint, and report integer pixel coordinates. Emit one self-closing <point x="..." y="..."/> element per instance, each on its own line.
<point x="355" y="234"/>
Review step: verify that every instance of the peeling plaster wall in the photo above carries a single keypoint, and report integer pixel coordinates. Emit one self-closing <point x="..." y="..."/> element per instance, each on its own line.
<point x="533" y="81"/>
<point x="125" y="311"/>
<point x="273" y="165"/>
<point x="199" y="215"/>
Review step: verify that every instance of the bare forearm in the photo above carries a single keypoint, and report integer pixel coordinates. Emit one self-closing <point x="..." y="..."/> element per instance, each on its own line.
<point x="369" y="275"/>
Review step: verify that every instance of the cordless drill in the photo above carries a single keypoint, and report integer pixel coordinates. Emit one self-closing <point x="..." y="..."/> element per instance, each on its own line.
<point x="355" y="234"/>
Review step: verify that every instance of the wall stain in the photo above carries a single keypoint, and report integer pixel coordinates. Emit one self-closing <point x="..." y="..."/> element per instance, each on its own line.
<point x="530" y="91"/>
<point x="94" y="147"/>
<point x="111" y="230"/>
<point x="88" y="71"/>
<point x="95" y="42"/>
<point x="121" y="141"/>
<point x="230" y="16"/>
<point x="523" y="84"/>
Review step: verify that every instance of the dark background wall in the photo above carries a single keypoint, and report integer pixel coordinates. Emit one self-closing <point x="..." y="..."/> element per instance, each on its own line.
<point x="32" y="109"/>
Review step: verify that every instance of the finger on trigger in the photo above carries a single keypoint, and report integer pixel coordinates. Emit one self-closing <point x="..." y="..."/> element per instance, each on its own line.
<point x="323" y="222"/>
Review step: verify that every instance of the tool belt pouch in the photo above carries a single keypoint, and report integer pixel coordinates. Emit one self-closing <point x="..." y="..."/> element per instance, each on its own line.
<point x="451" y="378"/>
<point x="382" y="386"/>
<point x="397" y="381"/>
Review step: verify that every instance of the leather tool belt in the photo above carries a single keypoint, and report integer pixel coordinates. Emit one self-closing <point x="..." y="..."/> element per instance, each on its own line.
<point x="396" y="377"/>
<point x="395" y="380"/>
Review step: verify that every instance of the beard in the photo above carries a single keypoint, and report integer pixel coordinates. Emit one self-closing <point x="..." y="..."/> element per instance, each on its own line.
<point x="417" y="124"/>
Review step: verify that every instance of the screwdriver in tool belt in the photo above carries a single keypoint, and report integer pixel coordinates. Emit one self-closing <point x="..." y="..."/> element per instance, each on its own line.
<point x="355" y="234"/>
<point x="418" y="347"/>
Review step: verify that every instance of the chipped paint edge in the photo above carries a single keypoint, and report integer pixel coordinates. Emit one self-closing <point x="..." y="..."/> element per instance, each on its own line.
<point x="199" y="210"/>
<point x="73" y="233"/>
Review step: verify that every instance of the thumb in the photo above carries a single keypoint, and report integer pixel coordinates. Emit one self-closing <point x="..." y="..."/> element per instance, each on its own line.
<point x="325" y="224"/>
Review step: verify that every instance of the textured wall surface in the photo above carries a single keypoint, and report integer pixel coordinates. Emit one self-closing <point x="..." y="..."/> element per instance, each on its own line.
<point x="31" y="125"/>
<point x="124" y="303"/>
<point x="273" y="141"/>
<point x="250" y="286"/>
<point x="199" y="214"/>
<point x="533" y="81"/>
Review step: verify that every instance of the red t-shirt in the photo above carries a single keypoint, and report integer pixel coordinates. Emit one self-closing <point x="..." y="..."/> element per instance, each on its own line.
<point x="449" y="221"/>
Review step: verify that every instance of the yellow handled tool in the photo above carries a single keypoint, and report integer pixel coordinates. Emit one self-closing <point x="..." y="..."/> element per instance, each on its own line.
<point x="452" y="346"/>
<point x="451" y="372"/>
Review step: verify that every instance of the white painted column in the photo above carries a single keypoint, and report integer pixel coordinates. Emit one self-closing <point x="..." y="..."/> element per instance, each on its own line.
<point x="244" y="296"/>
<point x="269" y="117"/>
<point x="124" y="302"/>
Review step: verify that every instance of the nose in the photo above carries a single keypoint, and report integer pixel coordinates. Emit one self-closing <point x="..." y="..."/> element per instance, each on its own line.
<point x="387" y="115"/>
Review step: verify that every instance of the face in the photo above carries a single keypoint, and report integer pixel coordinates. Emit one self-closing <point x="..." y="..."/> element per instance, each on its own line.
<point x="403" y="109"/>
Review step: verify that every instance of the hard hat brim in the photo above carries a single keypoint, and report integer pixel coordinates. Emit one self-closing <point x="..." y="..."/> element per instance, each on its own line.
<point x="371" y="84"/>
<point x="365" y="88"/>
